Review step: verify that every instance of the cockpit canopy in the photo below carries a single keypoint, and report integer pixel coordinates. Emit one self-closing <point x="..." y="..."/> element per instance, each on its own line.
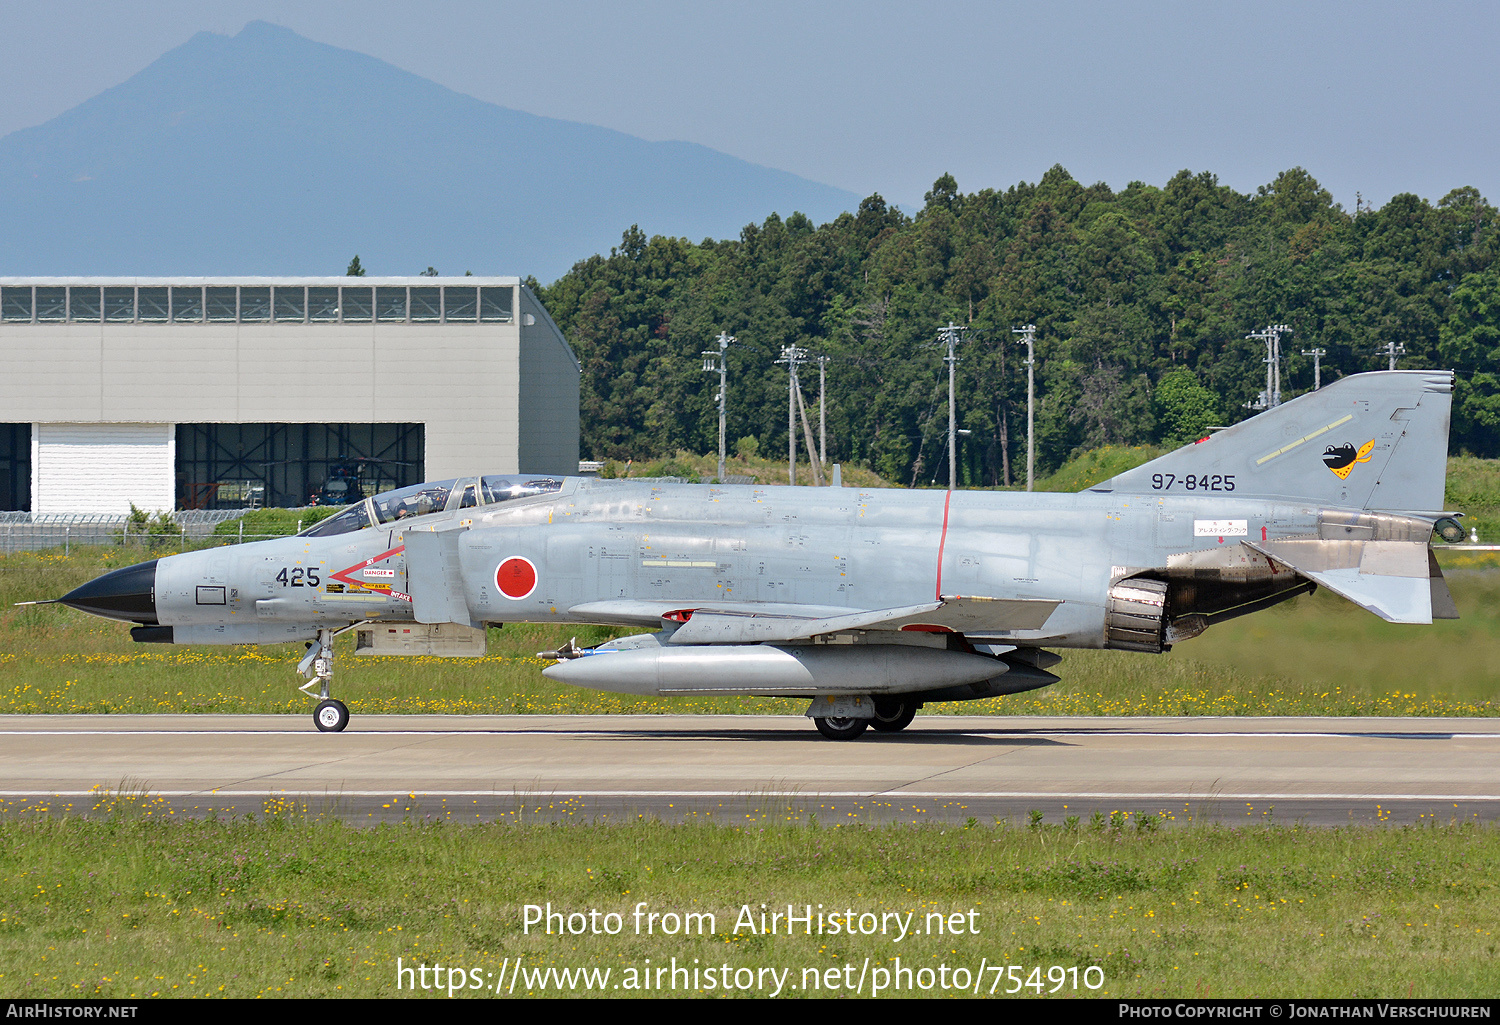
<point x="436" y="496"/>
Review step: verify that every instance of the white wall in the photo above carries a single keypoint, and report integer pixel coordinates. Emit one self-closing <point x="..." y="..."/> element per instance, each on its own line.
<point x="102" y="468"/>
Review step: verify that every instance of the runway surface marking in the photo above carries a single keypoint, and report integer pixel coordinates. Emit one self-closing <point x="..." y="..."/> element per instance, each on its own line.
<point x="924" y="795"/>
<point x="1322" y="770"/>
<point x="689" y="732"/>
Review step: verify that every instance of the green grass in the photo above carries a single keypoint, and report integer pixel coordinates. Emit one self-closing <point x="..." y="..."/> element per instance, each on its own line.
<point x="1315" y="655"/>
<point x="765" y="470"/>
<point x="1100" y="464"/>
<point x="1474" y="490"/>
<point x="278" y="522"/>
<point x="133" y="906"/>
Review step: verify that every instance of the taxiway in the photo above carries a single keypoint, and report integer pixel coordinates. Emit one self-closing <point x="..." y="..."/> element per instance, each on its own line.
<point x="1319" y="771"/>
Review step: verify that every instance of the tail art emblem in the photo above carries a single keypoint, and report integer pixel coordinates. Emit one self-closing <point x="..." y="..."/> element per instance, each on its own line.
<point x="1341" y="458"/>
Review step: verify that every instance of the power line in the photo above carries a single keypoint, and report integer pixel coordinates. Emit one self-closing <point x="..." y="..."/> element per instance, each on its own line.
<point x="717" y="361"/>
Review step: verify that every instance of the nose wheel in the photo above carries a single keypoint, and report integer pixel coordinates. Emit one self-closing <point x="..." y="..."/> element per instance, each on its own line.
<point x="331" y="715"/>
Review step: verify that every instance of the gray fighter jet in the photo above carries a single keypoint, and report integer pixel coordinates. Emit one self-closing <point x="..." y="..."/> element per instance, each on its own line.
<point x="869" y="602"/>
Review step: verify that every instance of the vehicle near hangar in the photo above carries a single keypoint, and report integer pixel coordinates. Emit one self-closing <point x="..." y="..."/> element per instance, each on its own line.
<point x="869" y="602"/>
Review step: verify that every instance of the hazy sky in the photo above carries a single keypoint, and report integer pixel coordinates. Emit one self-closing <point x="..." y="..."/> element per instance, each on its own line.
<point x="1379" y="97"/>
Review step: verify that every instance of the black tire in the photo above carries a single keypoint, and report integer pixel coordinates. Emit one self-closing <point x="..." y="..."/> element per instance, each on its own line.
<point x="893" y="715"/>
<point x="838" y="728"/>
<point x="331" y="716"/>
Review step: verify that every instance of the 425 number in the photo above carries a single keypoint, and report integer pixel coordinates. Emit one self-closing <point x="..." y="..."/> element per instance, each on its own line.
<point x="1192" y="482"/>
<point x="297" y="576"/>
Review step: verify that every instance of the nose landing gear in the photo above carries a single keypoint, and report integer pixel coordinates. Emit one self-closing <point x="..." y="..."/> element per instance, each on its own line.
<point x="331" y="715"/>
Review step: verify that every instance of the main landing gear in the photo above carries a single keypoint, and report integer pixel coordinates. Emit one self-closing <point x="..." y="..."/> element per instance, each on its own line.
<point x="892" y="715"/>
<point x="839" y="727"/>
<point x="331" y="715"/>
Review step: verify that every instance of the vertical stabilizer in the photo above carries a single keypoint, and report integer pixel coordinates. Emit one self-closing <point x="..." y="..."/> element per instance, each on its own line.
<point x="1371" y="441"/>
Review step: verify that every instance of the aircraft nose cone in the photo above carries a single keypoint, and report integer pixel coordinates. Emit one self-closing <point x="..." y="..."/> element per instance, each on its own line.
<point x="127" y="594"/>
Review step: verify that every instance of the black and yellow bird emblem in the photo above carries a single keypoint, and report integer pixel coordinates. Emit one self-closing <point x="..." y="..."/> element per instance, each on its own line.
<point x="1341" y="458"/>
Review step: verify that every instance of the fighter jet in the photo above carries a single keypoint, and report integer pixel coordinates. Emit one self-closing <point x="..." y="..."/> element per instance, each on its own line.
<point x="869" y="602"/>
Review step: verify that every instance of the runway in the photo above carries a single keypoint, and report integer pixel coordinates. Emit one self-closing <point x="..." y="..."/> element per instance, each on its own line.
<point x="734" y="769"/>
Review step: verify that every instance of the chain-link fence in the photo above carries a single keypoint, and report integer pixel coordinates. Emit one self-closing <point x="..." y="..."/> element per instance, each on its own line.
<point x="192" y="528"/>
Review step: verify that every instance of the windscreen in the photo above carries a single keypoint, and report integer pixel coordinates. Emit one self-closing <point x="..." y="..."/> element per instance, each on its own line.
<point x="356" y="517"/>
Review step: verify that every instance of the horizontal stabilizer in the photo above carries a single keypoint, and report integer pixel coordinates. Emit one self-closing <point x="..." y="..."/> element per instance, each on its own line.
<point x="1397" y="580"/>
<point x="1443" y="606"/>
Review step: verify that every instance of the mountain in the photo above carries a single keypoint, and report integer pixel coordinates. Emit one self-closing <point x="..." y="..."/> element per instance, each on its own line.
<point x="268" y="153"/>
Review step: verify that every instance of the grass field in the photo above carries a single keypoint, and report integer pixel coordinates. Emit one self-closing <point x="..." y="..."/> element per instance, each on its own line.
<point x="282" y="906"/>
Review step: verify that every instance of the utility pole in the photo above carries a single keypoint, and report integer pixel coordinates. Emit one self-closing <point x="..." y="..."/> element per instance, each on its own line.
<point x="792" y="357"/>
<point x="951" y="336"/>
<point x="1394" y="350"/>
<point x="1317" y="355"/>
<point x="822" y="406"/>
<point x="1028" y="334"/>
<point x="718" y="361"/>
<point x="1272" y="337"/>
<point x="812" y="446"/>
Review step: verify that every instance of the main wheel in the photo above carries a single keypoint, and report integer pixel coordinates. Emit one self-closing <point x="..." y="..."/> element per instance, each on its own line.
<point x="331" y="716"/>
<point x="893" y="715"/>
<point x="840" y="728"/>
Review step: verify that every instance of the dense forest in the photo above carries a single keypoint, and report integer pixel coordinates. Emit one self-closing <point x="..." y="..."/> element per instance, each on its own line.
<point x="1142" y="300"/>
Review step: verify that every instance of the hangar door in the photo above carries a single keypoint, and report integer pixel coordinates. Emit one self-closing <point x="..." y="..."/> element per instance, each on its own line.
<point x="234" y="466"/>
<point x="15" y="467"/>
<point x="102" y="468"/>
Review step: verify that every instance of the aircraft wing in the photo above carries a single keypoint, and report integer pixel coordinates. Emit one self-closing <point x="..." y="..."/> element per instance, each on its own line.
<point x="1399" y="581"/>
<point x="650" y="612"/>
<point x="756" y="622"/>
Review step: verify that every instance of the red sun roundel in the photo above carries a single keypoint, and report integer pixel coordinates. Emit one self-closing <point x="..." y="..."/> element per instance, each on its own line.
<point x="516" y="577"/>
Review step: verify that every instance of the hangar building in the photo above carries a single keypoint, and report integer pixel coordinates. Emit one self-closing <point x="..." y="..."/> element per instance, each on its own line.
<point x="203" y="393"/>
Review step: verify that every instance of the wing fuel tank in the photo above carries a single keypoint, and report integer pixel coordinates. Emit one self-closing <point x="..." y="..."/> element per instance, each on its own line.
<point x="773" y="669"/>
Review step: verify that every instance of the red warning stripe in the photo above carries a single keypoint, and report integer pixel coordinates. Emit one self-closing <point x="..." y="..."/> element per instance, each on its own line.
<point x="344" y="574"/>
<point x="942" y="542"/>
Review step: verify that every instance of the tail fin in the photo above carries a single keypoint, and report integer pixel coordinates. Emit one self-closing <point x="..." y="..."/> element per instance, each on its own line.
<point x="1371" y="441"/>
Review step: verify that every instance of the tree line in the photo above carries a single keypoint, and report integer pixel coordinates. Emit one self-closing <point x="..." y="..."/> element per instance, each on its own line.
<point x="1142" y="300"/>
